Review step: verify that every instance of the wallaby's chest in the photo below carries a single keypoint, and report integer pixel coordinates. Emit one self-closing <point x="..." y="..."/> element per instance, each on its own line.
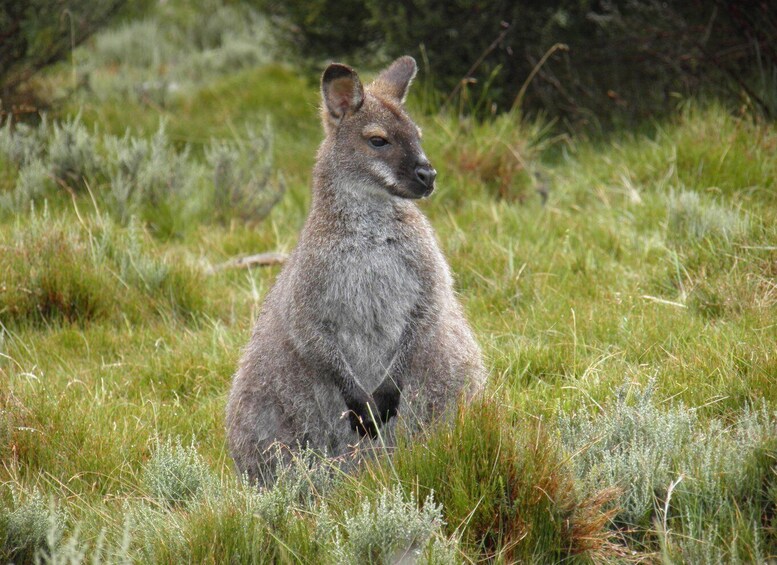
<point x="371" y="293"/>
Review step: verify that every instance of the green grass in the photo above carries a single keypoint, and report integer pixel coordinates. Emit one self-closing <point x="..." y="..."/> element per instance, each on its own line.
<point x="628" y="326"/>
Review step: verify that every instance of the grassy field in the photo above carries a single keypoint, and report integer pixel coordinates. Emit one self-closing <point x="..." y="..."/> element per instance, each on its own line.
<point x="629" y="325"/>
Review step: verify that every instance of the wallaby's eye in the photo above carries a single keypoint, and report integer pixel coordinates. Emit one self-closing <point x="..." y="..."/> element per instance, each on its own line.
<point x="377" y="141"/>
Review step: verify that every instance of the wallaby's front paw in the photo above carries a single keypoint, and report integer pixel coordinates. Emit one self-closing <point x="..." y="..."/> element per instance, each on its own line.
<point x="387" y="399"/>
<point x="360" y="416"/>
<point x="363" y="424"/>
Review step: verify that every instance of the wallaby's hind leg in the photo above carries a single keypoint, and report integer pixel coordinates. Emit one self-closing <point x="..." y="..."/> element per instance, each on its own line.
<point x="256" y="424"/>
<point x="446" y="367"/>
<point x="265" y="421"/>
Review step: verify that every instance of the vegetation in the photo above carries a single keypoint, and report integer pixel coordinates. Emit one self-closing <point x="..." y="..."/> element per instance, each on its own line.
<point x="622" y="289"/>
<point x="591" y="63"/>
<point x="37" y="33"/>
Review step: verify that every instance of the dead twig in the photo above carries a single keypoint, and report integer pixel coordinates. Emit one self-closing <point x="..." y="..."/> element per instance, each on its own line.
<point x="258" y="260"/>
<point x="522" y="92"/>
<point x="505" y="29"/>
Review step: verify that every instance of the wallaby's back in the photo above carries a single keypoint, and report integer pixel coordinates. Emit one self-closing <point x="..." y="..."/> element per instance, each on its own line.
<point x="362" y="323"/>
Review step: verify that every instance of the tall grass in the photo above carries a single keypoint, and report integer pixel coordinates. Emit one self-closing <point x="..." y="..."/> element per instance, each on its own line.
<point x="58" y="271"/>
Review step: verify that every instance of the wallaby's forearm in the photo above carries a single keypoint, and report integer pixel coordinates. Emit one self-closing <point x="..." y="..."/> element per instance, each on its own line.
<point x="330" y="356"/>
<point x="387" y="395"/>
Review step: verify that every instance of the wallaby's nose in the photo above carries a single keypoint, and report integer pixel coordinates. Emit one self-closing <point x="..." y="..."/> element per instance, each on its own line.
<point x="425" y="175"/>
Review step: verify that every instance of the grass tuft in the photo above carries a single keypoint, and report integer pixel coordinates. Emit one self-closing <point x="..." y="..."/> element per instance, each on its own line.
<point x="504" y="485"/>
<point x="691" y="219"/>
<point x="499" y="157"/>
<point x="57" y="272"/>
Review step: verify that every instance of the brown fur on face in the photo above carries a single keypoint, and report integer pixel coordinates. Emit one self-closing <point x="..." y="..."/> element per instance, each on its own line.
<point x="354" y="117"/>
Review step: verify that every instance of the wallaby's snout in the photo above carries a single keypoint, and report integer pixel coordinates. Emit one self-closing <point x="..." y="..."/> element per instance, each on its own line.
<point x="425" y="175"/>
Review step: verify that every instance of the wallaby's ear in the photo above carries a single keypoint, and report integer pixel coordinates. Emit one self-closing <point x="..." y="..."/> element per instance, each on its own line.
<point x="342" y="92"/>
<point x="394" y="81"/>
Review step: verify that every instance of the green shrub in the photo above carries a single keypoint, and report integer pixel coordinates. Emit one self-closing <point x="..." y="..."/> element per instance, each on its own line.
<point x="176" y="475"/>
<point x="21" y="143"/>
<point x="72" y="152"/>
<point x="292" y="519"/>
<point x="29" y="528"/>
<point x="701" y="489"/>
<point x="156" y="182"/>
<point x="634" y="447"/>
<point x="38" y="33"/>
<point x="242" y="177"/>
<point x="389" y="530"/>
<point x="725" y="505"/>
<point x="33" y="183"/>
<point x="64" y="153"/>
<point x="141" y="43"/>
<point x="235" y="53"/>
<point x="177" y="50"/>
<point x="165" y="187"/>
<point x="624" y="59"/>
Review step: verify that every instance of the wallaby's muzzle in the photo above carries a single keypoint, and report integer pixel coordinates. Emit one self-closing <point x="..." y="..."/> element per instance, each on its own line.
<point x="424" y="180"/>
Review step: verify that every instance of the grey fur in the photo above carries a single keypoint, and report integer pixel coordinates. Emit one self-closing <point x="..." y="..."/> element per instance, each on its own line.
<point x="363" y="309"/>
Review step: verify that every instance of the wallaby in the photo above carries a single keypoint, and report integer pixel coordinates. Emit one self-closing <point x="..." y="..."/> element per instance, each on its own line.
<point x="362" y="323"/>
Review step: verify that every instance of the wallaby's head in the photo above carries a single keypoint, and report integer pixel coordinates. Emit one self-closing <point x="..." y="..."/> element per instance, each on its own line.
<point x="369" y="133"/>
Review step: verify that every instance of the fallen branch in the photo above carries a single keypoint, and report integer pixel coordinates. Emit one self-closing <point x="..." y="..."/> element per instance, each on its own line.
<point x="258" y="260"/>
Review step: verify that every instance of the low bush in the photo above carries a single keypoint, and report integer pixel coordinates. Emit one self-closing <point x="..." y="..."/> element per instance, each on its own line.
<point x="73" y="153"/>
<point x="704" y="491"/>
<point x="176" y="475"/>
<point x="21" y="143"/>
<point x="150" y="179"/>
<point x="30" y="527"/>
<point x="635" y="448"/>
<point x="392" y="530"/>
<point x="164" y="187"/>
